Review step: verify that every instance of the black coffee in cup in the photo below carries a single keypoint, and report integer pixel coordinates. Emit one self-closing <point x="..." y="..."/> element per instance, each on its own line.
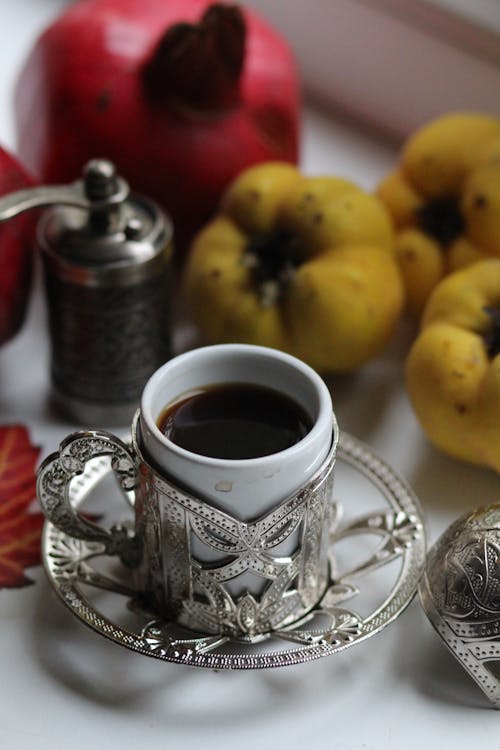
<point x="234" y="421"/>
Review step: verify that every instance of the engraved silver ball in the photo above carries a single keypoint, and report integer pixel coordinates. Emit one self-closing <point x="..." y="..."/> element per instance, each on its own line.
<point x="460" y="593"/>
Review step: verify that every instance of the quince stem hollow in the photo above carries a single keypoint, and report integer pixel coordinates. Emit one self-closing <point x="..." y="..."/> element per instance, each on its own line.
<point x="492" y="336"/>
<point x="441" y="218"/>
<point x="272" y="259"/>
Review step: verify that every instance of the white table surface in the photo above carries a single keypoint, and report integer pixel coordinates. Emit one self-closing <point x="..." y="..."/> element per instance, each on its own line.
<point x="62" y="684"/>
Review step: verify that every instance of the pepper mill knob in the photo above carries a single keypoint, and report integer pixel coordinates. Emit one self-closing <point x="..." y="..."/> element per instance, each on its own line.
<point x="100" y="179"/>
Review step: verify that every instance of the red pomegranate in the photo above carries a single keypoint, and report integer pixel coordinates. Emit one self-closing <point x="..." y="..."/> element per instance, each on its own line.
<point x="181" y="94"/>
<point x="16" y="251"/>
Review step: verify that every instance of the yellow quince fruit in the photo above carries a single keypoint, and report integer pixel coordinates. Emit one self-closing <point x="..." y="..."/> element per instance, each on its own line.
<point x="443" y="198"/>
<point x="453" y="367"/>
<point x="302" y="264"/>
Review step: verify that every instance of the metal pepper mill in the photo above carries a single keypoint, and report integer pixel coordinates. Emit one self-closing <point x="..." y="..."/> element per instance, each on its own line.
<point x="106" y="257"/>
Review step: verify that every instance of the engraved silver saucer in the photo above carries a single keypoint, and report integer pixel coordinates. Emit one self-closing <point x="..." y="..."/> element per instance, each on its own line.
<point x="377" y="554"/>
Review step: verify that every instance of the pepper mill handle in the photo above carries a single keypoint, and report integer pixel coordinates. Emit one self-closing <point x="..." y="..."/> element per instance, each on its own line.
<point x="100" y="189"/>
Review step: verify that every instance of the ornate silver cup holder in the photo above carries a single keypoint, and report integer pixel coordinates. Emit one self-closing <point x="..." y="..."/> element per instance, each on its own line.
<point x="376" y="552"/>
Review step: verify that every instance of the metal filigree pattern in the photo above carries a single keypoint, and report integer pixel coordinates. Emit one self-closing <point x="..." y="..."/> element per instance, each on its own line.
<point x="54" y="482"/>
<point x="461" y="594"/>
<point x="328" y="628"/>
<point x="196" y="595"/>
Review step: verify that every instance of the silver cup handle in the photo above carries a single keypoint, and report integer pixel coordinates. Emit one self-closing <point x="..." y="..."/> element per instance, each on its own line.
<point x="53" y="489"/>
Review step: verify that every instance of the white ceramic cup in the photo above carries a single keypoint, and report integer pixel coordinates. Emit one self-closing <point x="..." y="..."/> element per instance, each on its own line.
<point x="245" y="488"/>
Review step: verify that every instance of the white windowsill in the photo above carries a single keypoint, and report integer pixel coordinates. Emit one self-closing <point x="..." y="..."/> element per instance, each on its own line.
<point x="395" y="63"/>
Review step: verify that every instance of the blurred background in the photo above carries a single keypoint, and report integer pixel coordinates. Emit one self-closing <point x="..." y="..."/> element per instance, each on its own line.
<point x="393" y="64"/>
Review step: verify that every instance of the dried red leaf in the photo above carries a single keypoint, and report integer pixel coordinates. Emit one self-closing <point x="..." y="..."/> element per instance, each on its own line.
<point x="20" y="529"/>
